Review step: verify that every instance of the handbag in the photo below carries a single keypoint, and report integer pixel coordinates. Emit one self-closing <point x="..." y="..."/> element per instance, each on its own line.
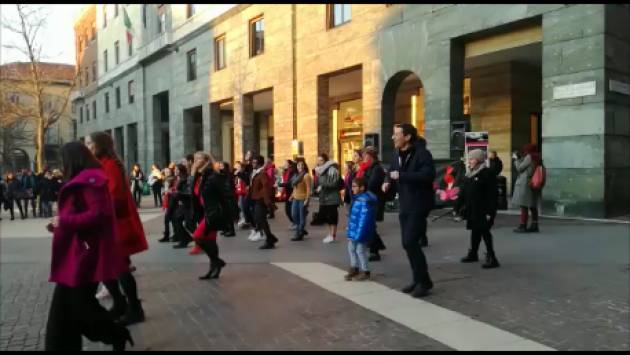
<point x="538" y="179"/>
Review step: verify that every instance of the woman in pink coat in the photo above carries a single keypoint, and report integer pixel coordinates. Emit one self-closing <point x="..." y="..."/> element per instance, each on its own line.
<point x="83" y="254"/>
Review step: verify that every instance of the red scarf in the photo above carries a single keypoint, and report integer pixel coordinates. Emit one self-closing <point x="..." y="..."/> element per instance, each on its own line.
<point x="362" y="168"/>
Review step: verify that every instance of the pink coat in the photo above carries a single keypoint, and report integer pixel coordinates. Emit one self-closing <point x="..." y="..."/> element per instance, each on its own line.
<point x="83" y="246"/>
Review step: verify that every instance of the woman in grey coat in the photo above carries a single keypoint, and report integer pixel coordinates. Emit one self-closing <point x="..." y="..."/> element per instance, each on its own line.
<point x="523" y="196"/>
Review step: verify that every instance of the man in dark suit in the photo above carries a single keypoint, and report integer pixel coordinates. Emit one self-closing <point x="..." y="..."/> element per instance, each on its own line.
<point x="411" y="174"/>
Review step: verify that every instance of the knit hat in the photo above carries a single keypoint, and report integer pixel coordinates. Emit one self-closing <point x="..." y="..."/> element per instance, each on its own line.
<point x="477" y="154"/>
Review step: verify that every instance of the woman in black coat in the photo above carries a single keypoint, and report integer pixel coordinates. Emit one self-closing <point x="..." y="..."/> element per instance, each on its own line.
<point x="477" y="201"/>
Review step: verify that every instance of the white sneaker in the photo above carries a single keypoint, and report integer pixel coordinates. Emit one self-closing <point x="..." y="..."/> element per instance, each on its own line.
<point x="103" y="293"/>
<point x="329" y="239"/>
<point x="252" y="235"/>
<point x="258" y="237"/>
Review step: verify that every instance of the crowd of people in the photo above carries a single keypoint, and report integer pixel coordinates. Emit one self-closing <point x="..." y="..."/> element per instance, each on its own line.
<point x="98" y="229"/>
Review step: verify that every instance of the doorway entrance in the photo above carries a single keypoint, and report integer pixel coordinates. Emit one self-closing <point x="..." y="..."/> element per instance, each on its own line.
<point x="161" y="124"/>
<point x="193" y="130"/>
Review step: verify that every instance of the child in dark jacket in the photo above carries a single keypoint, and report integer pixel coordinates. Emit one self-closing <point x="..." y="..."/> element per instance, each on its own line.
<point x="361" y="227"/>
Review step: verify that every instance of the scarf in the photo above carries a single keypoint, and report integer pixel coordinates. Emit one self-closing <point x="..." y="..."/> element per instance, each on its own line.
<point x="362" y="168"/>
<point x="478" y="168"/>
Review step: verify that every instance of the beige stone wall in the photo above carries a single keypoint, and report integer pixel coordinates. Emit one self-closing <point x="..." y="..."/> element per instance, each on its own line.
<point x="244" y="75"/>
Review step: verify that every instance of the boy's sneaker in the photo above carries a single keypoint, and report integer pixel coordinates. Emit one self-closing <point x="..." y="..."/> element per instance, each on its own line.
<point x="293" y="227"/>
<point x="252" y="235"/>
<point x="329" y="239"/>
<point x="258" y="237"/>
<point x="363" y="276"/>
<point x="352" y="272"/>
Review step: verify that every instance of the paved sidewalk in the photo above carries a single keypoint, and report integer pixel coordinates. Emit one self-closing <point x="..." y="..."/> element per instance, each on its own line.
<point x="566" y="288"/>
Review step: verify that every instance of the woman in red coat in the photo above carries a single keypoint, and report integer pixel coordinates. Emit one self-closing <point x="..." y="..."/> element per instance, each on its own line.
<point x="84" y="253"/>
<point x="130" y="238"/>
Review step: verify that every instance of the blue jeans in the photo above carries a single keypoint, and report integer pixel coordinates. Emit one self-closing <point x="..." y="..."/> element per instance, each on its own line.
<point x="358" y="254"/>
<point x="299" y="215"/>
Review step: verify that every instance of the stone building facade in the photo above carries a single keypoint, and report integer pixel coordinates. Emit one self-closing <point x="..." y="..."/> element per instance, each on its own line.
<point x="271" y="78"/>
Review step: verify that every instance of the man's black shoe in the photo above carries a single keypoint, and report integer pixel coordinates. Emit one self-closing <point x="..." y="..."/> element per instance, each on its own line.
<point x="420" y="291"/>
<point x="268" y="246"/>
<point x="374" y="257"/>
<point x="180" y="246"/>
<point x="409" y="288"/>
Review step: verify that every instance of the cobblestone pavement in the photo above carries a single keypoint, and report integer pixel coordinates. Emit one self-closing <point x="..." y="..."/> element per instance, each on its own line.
<point x="567" y="287"/>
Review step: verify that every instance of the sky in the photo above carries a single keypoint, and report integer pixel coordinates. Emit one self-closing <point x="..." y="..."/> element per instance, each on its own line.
<point x="58" y="36"/>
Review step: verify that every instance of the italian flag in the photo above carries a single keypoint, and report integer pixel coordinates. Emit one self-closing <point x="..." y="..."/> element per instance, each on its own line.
<point x="128" y="25"/>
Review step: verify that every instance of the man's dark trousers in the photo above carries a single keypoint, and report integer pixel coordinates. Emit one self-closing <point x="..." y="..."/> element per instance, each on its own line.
<point x="412" y="225"/>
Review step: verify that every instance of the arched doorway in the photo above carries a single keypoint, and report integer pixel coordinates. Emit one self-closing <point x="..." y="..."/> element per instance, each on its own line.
<point x="403" y="101"/>
<point x="20" y="160"/>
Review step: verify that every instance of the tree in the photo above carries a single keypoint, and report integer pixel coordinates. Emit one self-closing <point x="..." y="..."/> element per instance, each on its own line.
<point x="43" y="106"/>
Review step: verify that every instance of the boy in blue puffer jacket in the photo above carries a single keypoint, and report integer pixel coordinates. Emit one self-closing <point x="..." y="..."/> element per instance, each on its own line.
<point x="361" y="227"/>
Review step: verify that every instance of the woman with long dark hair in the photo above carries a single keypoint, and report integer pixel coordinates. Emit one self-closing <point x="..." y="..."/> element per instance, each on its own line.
<point x="130" y="238"/>
<point x="84" y="253"/>
<point x="209" y="195"/>
<point x="230" y="189"/>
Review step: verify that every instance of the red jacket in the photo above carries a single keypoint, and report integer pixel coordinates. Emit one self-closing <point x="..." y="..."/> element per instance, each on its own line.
<point x="84" y="243"/>
<point x="130" y="233"/>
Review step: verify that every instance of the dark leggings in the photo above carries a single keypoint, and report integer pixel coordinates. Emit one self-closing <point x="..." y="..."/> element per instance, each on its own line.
<point x="19" y="204"/>
<point x="475" y="240"/>
<point x="74" y="311"/>
<point x="287" y="211"/>
<point x="129" y="286"/>
<point x="157" y="194"/>
<point x="524" y="215"/>
<point x="211" y="248"/>
<point x="137" y="196"/>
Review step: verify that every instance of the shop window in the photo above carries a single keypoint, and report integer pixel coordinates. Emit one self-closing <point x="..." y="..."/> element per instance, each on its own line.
<point x="466" y="97"/>
<point x="338" y="14"/>
<point x="256" y="36"/>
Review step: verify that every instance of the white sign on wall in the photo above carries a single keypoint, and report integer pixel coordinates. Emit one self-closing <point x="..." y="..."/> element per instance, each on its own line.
<point x="574" y="90"/>
<point x="620" y="87"/>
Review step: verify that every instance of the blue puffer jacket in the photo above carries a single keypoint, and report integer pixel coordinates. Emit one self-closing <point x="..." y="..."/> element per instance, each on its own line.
<point x="362" y="220"/>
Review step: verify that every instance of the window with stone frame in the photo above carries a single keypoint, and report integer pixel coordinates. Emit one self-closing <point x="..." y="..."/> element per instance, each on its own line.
<point x="219" y="52"/>
<point x="256" y="36"/>
<point x="116" y="52"/>
<point x="115" y="10"/>
<point x="338" y="14"/>
<point x="118" y="97"/>
<point x="106" y="102"/>
<point x="191" y="65"/>
<point x="105" y="60"/>
<point x="131" y="91"/>
<point x="94" y="109"/>
<point x="105" y="16"/>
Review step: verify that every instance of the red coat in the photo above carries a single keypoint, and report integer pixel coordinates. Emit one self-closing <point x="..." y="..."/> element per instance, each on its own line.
<point x="84" y="243"/>
<point x="130" y="233"/>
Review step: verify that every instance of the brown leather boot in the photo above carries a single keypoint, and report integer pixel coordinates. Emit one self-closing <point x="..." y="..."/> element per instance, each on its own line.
<point x="352" y="272"/>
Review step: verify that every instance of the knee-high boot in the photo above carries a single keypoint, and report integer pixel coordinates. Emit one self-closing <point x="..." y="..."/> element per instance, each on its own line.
<point x="135" y="313"/>
<point x="491" y="259"/>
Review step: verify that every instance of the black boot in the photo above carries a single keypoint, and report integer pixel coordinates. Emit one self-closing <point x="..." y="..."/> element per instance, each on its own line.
<point x="122" y="337"/>
<point x="521" y="229"/>
<point x="164" y="239"/>
<point x="491" y="261"/>
<point x="471" y="257"/>
<point x="214" y="273"/>
<point x="206" y="276"/>
<point x="135" y="314"/>
<point x="533" y="228"/>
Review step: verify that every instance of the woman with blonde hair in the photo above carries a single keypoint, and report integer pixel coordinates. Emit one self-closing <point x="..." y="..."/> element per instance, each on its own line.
<point x="210" y="208"/>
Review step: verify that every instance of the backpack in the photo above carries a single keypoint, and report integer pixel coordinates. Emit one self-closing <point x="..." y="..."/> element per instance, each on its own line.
<point x="341" y="185"/>
<point x="539" y="178"/>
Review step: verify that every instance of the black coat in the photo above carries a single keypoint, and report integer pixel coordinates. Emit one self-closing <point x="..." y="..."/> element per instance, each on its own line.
<point x="496" y="166"/>
<point x="14" y="190"/>
<point x="375" y="177"/>
<point x="415" y="183"/>
<point x="478" y="198"/>
<point x="48" y="189"/>
<point x="218" y="205"/>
